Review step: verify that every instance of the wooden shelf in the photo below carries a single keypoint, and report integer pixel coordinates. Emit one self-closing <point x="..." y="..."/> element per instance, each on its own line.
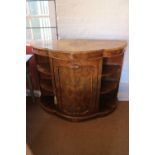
<point x="110" y="69"/>
<point x="43" y="68"/>
<point x="47" y="87"/>
<point x="44" y="76"/>
<point x="109" y="79"/>
<point x="108" y="86"/>
<point x="41" y="59"/>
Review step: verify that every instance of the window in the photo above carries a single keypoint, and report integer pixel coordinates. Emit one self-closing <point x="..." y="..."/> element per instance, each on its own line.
<point x="41" y="20"/>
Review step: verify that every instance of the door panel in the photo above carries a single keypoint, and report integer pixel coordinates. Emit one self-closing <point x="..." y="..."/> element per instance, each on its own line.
<point x="77" y="86"/>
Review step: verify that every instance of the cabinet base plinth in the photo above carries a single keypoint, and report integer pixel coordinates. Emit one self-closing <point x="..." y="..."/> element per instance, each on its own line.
<point x="104" y="111"/>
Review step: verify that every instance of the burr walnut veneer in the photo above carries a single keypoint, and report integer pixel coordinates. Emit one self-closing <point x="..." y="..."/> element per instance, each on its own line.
<point x="79" y="79"/>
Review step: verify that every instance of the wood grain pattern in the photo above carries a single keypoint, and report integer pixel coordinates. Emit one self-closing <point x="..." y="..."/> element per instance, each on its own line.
<point x="81" y="76"/>
<point x="75" y="78"/>
<point x="80" y="45"/>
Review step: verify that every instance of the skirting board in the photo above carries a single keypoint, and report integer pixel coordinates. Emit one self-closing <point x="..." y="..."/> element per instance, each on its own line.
<point x="123" y="93"/>
<point x="37" y="93"/>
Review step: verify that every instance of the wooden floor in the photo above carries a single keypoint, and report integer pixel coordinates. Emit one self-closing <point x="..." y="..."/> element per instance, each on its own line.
<point x="50" y="135"/>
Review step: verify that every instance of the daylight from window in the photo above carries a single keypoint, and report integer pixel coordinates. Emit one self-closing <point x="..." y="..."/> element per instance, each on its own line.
<point x="39" y="25"/>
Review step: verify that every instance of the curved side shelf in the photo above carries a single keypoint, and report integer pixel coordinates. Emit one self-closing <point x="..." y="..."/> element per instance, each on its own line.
<point x="40" y="52"/>
<point x="113" y="53"/>
<point x="44" y="76"/>
<point x="44" y="68"/>
<point x="108" y="86"/>
<point x="46" y="87"/>
<point x="108" y="70"/>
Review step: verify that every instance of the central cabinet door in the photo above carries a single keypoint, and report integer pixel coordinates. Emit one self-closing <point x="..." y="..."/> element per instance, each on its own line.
<point x="77" y="85"/>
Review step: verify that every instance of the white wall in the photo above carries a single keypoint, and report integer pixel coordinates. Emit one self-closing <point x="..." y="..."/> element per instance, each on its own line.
<point x="96" y="19"/>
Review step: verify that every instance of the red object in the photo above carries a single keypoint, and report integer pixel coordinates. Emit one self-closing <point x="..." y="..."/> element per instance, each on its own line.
<point x="28" y="49"/>
<point x="32" y="68"/>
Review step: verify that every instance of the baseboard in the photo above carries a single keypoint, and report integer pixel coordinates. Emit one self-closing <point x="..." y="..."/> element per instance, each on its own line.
<point x="123" y="93"/>
<point x="37" y="93"/>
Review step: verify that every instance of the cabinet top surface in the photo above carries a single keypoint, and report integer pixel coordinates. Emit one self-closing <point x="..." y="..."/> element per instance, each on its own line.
<point x="78" y="45"/>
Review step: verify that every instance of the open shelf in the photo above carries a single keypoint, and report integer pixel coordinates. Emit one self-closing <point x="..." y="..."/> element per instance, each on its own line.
<point x="46" y="93"/>
<point x="108" y="86"/>
<point x="110" y="69"/>
<point x="44" y="68"/>
<point x="110" y="79"/>
<point x="44" y="75"/>
<point x="46" y="86"/>
<point x="47" y="100"/>
<point x="117" y="61"/>
<point x="41" y="59"/>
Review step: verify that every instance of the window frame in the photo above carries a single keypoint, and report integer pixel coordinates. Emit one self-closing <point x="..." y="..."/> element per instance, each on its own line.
<point x="49" y="16"/>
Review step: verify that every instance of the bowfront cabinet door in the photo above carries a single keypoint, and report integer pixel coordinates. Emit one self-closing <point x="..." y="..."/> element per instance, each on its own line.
<point x="77" y="85"/>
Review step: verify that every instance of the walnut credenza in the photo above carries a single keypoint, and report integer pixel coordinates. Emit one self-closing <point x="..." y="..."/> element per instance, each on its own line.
<point x="79" y="79"/>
